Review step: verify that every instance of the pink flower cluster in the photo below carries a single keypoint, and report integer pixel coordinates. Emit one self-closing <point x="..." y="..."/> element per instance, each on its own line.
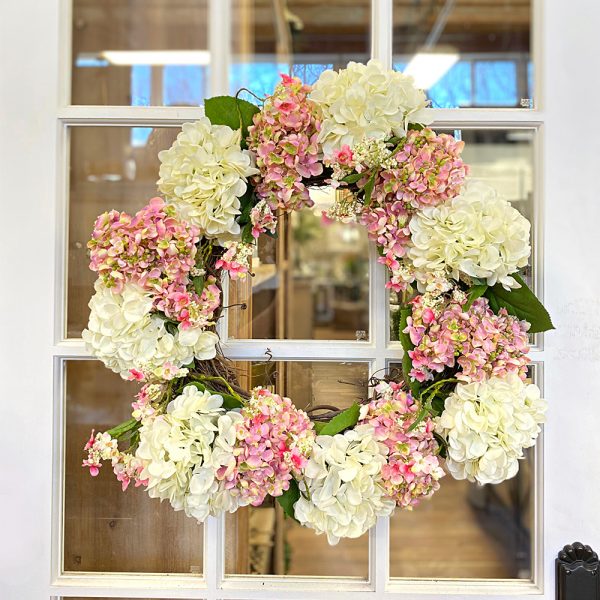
<point x="157" y="251"/>
<point x="284" y="138"/>
<point x="126" y="467"/>
<point x="477" y="341"/>
<point x="429" y="172"/>
<point x="152" y="249"/>
<point x="412" y="469"/>
<point x="273" y="443"/>
<point x="263" y="219"/>
<point x="387" y="225"/>
<point x="236" y="259"/>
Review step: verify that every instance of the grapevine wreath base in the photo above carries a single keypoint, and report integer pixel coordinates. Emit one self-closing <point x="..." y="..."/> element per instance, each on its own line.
<point x="454" y="250"/>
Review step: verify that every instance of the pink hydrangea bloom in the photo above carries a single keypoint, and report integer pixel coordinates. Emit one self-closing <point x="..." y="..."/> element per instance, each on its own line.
<point x="157" y="251"/>
<point x="126" y="467"/>
<point x="284" y="139"/>
<point x="478" y="342"/>
<point x="429" y="172"/>
<point x="263" y="219"/>
<point x="412" y="468"/>
<point x="148" y="249"/>
<point x="236" y="259"/>
<point x="387" y="226"/>
<point x="272" y="445"/>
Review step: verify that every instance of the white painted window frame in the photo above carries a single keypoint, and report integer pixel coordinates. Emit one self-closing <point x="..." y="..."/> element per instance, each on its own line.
<point x="213" y="585"/>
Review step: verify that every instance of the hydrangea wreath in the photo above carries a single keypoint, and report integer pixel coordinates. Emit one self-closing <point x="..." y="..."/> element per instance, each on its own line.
<point x="453" y="248"/>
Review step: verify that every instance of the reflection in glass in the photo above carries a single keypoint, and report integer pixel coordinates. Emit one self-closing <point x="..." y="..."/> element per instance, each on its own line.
<point x="469" y="531"/>
<point x="300" y="37"/>
<point x="312" y="282"/>
<point x="106" y="529"/>
<point x="140" y="53"/>
<point x="504" y="160"/>
<point x="260" y="541"/>
<point x="466" y="54"/>
<point x="111" y="168"/>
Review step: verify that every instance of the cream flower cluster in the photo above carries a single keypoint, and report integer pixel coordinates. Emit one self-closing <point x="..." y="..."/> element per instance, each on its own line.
<point x="125" y="336"/>
<point x="366" y="101"/>
<point x="476" y="233"/>
<point x="488" y="424"/>
<point x="176" y="452"/>
<point x="203" y="175"/>
<point x="341" y="494"/>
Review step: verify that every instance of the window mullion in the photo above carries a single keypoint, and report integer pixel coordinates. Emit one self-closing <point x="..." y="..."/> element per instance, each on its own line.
<point x="381" y="31"/>
<point x="219" y="43"/>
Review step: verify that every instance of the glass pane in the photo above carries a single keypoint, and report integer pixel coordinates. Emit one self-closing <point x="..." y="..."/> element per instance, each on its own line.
<point x="260" y="541"/>
<point x="465" y="53"/>
<point x="301" y="37"/>
<point x="111" y="168"/>
<point x="106" y="529"/>
<point x="312" y="282"/>
<point x="504" y="160"/>
<point x="468" y="531"/>
<point x="139" y="53"/>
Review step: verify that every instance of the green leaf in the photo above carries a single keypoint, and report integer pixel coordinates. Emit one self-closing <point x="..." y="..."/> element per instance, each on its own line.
<point x="442" y="444"/>
<point x="343" y="421"/>
<point x="198" y="282"/>
<point x="475" y="292"/>
<point x="234" y="112"/>
<point x="247" y="203"/>
<point x="289" y="498"/>
<point x="319" y="425"/>
<point x="352" y="178"/>
<point x="171" y="327"/>
<point x="416" y="126"/>
<point x="229" y="402"/>
<point x="521" y="303"/>
<point x="368" y="189"/>
<point x="247" y="236"/>
<point x="123" y="428"/>
<point x="407" y="345"/>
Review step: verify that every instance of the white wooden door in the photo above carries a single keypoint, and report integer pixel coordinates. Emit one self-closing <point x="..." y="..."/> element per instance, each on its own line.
<point x="51" y="389"/>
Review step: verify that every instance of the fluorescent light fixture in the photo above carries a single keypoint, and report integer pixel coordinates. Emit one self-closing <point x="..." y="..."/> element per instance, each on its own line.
<point x="427" y="68"/>
<point x="156" y="57"/>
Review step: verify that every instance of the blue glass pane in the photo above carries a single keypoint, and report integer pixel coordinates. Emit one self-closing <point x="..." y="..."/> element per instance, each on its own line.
<point x="140" y="135"/>
<point x="184" y="85"/>
<point x="259" y="78"/>
<point x="309" y="73"/>
<point x="496" y="83"/>
<point x="454" y="89"/>
<point x="141" y="85"/>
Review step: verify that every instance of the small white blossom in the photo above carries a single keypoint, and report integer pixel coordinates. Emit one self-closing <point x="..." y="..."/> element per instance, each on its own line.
<point x="477" y="234"/>
<point x="366" y="101"/>
<point x="341" y="495"/>
<point x="203" y="175"/>
<point x="488" y="424"/>
<point x="124" y="335"/>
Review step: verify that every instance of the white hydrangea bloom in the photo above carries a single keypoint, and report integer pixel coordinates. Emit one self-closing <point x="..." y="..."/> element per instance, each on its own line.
<point x="207" y="495"/>
<point x="172" y="445"/>
<point x="341" y="495"/>
<point x="203" y="175"/>
<point x="476" y="233"/>
<point x="488" y="424"/>
<point x="124" y="334"/>
<point x="366" y="101"/>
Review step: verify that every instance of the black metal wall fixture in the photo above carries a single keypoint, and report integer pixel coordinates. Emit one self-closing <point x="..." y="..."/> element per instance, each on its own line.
<point x="577" y="573"/>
